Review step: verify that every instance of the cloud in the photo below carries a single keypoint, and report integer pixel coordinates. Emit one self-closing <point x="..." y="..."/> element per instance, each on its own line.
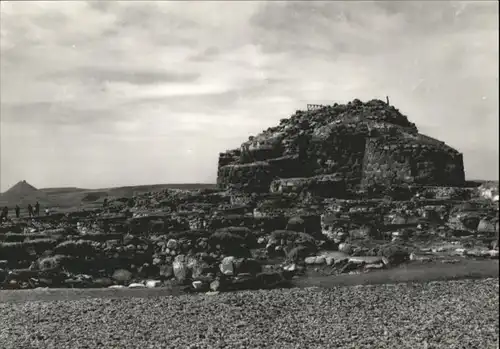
<point x="113" y="74"/>
<point x="96" y="94"/>
<point x="424" y="56"/>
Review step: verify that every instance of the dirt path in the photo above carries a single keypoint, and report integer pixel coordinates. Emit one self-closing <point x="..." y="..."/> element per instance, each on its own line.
<point x="435" y="271"/>
<point x="414" y="272"/>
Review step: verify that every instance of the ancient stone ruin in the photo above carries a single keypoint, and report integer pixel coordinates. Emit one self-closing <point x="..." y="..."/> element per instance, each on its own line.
<point x="338" y="149"/>
<point x="333" y="190"/>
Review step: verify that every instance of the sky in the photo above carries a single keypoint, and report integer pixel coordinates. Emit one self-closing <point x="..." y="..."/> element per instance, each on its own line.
<point x="103" y="94"/>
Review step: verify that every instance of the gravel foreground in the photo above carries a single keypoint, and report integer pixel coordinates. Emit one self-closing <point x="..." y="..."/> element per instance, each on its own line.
<point x="451" y="314"/>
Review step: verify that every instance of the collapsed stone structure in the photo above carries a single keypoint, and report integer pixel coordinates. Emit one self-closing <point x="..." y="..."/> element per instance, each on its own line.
<point x="357" y="179"/>
<point x="340" y="148"/>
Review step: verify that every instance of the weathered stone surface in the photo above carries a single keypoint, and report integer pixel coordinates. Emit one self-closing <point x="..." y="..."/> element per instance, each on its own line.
<point x="315" y="260"/>
<point x="122" y="275"/>
<point x="359" y="143"/>
<point x="345" y="248"/>
<point x="180" y="268"/>
<point x="153" y="283"/>
<point x="227" y="266"/>
<point x="136" y="285"/>
<point x="488" y="226"/>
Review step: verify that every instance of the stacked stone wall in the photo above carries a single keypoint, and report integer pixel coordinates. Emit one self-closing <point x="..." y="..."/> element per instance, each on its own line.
<point x="255" y="177"/>
<point x="261" y="148"/>
<point x="393" y="161"/>
<point x="385" y="163"/>
<point x="229" y="157"/>
<point x="340" y="154"/>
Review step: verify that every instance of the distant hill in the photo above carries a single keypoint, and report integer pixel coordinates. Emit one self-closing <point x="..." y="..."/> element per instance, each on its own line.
<point x="73" y="198"/>
<point x="21" y="188"/>
<point x="23" y="194"/>
<point x="130" y="191"/>
<point x="63" y="190"/>
<point x="69" y="198"/>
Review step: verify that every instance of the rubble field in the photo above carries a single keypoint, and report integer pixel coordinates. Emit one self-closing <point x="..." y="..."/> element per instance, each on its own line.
<point x="349" y="189"/>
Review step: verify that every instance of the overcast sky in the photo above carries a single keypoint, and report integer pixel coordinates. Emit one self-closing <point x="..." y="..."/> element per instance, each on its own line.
<point x="104" y="94"/>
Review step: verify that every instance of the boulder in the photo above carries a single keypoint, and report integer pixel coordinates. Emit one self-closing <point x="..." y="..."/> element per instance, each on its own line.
<point x="350" y="266"/>
<point x="180" y="268"/>
<point x="310" y="260"/>
<point x="136" y="285"/>
<point x="345" y="248"/>
<point x="166" y="271"/>
<point x="229" y="242"/>
<point x="477" y="253"/>
<point x="365" y="259"/>
<point x="316" y="260"/>
<point x="394" y="253"/>
<point x="298" y="253"/>
<point x="227" y="267"/>
<point x="296" y="224"/>
<point x="117" y="286"/>
<point x="401" y="235"/>
<point x="78" y="248"/>
<point x="375" y="266"/>
<point x="215" y="286"/>
<point x="283" y="237"/>
<point x="419" y="258"/>
<point x="199" y="285"/>
<point x="153" y="283"/>
<point x="172" y="244"/>
<point x="363" y="232"/>
<point x="122" y="275"/>
<point x="200" y="268"/>
<point x="99" y="282"/>
<point x="247" y="266"/>
<point x="487" y="226"/>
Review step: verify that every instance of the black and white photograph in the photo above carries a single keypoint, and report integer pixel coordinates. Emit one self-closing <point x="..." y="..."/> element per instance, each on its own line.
<point x="249" y="174"/>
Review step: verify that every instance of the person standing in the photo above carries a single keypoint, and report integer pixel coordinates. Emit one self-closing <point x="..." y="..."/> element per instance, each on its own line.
<point x="18" y="211"/>
<point x="30" y="210"/>
<point x="37" y="209"/>
<point x="5" y="213"/>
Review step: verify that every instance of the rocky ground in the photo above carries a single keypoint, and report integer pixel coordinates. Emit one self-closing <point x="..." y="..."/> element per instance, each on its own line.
<point x="328" y="196"/>
<point x="453" y="314"/>
<point x="216" y="240"/>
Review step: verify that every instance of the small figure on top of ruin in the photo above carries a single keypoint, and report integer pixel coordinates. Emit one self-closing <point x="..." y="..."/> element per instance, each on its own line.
<point x="30" y="210"/>
<point x="18" y="211"/>
<point x="37" y="209"/>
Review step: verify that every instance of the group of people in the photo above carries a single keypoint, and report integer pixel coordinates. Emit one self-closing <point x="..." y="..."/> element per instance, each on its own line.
<point x="33" y="211"/>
